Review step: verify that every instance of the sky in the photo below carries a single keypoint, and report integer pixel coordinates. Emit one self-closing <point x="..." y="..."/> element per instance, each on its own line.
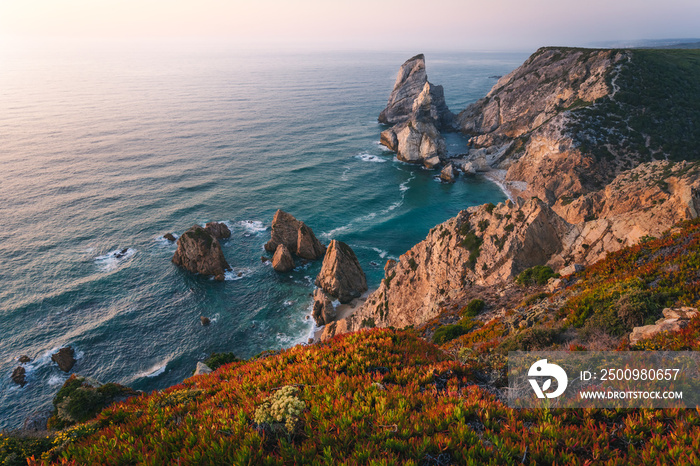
<point x="372" y="24"/>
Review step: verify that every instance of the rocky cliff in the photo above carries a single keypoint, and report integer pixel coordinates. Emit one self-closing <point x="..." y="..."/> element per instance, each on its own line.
<point x="564" y="130"/>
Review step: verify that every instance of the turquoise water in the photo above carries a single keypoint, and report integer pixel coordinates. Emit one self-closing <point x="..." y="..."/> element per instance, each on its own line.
<point x="108" y="147"/>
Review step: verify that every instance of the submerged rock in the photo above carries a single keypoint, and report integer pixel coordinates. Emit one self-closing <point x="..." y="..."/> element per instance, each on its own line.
<point x="218" y="230"/>
<point x="341" y="275"/>
<point x="295" y="235"/>
<point x="170" y="237"/>
<point x="282" y="260"/>
<point x="323" y="310"/>
<point x="24" y="359"/>
<point x="64" y="358"/>
<point x="199" y="252"/>
<point x="204" y="320"/>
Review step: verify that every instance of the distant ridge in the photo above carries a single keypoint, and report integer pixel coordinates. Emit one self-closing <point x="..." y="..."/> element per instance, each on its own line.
<point x="686" y="43"/>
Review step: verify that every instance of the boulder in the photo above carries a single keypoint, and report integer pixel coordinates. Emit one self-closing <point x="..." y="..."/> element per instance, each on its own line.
<point x="19" y="376"/>
<point x="202" y="369"/>
<point x="571" y="269"/>
<point x="64" y="358"/>
<point x="24" y="359"/>
<point x="673" y="321"/>
<point x="204" y="320"/>
<point x="282" y="260"/>
<point x="170" y="237"/>
<point x="218" y="230"/>
<point x="341" y="275"/>
<point x="199" y="252"/>
<point x="323" y="310"/>
<point x="37" y="421"/>
<point x="431" y="162"/>
<point x="295" y="235"/>
<point x="448" y="174"/>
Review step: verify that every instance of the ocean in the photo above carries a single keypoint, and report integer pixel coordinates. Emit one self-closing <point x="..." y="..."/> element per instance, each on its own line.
<point x="108" y="146"/>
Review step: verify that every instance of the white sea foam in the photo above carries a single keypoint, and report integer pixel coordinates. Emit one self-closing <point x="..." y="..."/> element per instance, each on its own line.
<point x="371" y="158"/>
<point x="381" y="252"/>
<point x="153" y="371"/>
<point x="55" y="380"/>
<point x="215" y="318"/>
<point x="252" y="226"/>
<point x="113" y="259"/>
<point x="237" y="274"/>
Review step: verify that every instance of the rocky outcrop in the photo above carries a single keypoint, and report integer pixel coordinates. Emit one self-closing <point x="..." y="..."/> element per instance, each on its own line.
<point x="295" y="235"/>
<point x="202" y="369"/>
<point x="336" y="328"/>
<point x="418" y="111"/>
<point x="323" y="311"/>
<point x="24" y="359"/>
<point x="282" y="260"/>
<point x="199" y="252"/>
<point x="414" y="96"/>
<point x="19" y="376"/>
<point x="170" y="237"/>
<point x="204" y="320"/>
<point x="341" y="275"/>
<point x="673" y="321"/>
<point x="37" y="421"/>
<point x="448" y="174"/>
<point x="218" y="230"/>
<point x="64" y="358"/>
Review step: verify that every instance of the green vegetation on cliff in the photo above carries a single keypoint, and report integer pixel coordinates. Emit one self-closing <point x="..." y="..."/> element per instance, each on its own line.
<point x="652" y="113"/>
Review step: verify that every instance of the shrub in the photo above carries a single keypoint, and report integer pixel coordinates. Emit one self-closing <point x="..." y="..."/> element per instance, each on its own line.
<point x="537" y="275"/>
<point x="216" y="360"/>
<point x="533" y="298"/>
<point x="282" y="408"/>
<point x="449" y="332"/>
<point x="473" y="308"/>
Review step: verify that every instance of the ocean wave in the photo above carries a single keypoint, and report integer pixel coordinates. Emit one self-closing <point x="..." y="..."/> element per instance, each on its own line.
<point x="371" y="158"/>
<point x="381" y="252"/>
<point x="57" y="379"/>
<point x="113" y="259"/>
<point x="153" y="371"/>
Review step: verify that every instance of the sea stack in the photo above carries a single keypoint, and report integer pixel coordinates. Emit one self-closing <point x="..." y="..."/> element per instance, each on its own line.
<point x="418" y="111"/>
<point x="295" y="235"/>
<point x="341" y="275"/>
<point x="282" y="260"/>
<point x="199" y="252"/>
<point x="64" y="358"/>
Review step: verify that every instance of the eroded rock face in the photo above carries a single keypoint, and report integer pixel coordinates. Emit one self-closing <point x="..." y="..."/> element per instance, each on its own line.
<point x="202" y="369"/>
<point x="64" y="358"/>
<point x="295" y="235"/>
<point x="282" y="260"/>
<point x="323" y="311"/>
<point x="341" y="275"/>
<point x="418" y="111"/>
<point x="199" y="252"/>
<point x="218" y="230"/>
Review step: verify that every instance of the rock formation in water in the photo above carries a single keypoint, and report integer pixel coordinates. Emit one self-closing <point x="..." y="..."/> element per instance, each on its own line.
<point x="19" y="376"/>
<point x="418" y="111"/>
<point x="218" y="230"/>
<point x="323" y="311"/>
<point x="64" y="358"/>
<point x="295" y="235"/>
<point x="341" y="275"/>
<point x="199" y="252"/>
<point x="448" y="174"/>
<point x="282" y="261"/>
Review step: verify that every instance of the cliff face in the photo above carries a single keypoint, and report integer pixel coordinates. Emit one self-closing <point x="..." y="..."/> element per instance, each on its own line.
<point x="585" y="185"/>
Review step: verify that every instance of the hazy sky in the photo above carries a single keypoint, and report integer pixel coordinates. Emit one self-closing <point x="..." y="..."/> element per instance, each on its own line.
<point x="459" y="24"/>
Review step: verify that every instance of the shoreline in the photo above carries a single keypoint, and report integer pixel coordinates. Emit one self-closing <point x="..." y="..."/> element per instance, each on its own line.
<point x="498" y="177"/>
<point x="343" y="311"/>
